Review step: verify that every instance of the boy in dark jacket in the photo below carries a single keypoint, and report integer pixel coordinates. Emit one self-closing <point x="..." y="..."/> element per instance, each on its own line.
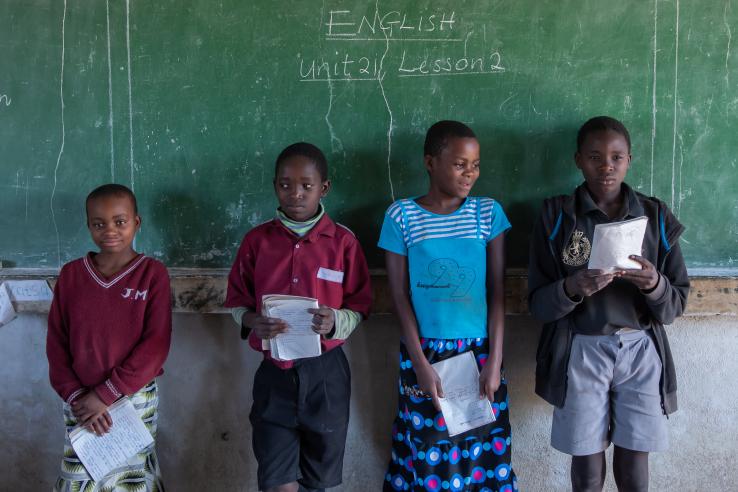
<point x="603" y="359"/>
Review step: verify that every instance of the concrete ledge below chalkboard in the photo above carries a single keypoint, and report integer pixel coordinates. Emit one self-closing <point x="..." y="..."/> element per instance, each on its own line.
<point x="203" y="291"/>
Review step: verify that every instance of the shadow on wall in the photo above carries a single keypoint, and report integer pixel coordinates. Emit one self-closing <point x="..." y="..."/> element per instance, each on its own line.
<point x="360" y="199"/>
<point x="372" y="351"/>
<point x="206" y="397"/>
<point x="197" y="219"/>
<point x="526" y="163"/>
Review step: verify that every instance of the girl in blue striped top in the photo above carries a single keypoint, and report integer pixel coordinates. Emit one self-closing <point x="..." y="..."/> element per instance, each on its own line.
<point x="445" y="259"/>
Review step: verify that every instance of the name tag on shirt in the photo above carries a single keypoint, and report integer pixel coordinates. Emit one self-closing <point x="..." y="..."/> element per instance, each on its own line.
<point x="330" y="275"/>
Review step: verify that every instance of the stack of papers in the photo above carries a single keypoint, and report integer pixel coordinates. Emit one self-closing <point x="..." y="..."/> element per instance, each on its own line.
<point x="127" y="437"/>
<point x="461" y="406"/>
<point x="7" y="312"/>
<point x="28" y="295"/>
<point x="299" y="341"/>
<point x="613" y="243"/>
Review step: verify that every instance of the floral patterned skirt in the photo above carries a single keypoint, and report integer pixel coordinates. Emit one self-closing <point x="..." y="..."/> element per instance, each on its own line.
<point x="140" y="473"/>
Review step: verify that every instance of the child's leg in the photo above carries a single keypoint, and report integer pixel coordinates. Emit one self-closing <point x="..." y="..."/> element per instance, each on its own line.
<point x="323" y="411"/>
<point x="275" y="439"/>
<point x="305" y="489"/>
<point x="285" y="487"/>
<point x="588" y="472"/>
<point x="630" y="469"/>
<point x="638" y="421"/>
<point x="582" y="426"/>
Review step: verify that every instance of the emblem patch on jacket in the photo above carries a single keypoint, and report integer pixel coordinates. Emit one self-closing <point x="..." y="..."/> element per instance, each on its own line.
<point x="577" y="252"/>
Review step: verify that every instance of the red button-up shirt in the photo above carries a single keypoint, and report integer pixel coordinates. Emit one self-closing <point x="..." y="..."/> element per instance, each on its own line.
<point x="327" y="264"/>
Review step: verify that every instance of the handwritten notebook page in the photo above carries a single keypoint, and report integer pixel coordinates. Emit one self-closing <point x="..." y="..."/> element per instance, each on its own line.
<point x="102" y="454"/>
<point x="614" y="242"/>
<point x="461" y="406"/>
<point x="299" y="341"/>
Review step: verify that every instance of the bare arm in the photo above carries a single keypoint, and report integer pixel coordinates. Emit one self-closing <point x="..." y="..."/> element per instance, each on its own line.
<point x="489" y="379"/>
<point x="399" y="283"/>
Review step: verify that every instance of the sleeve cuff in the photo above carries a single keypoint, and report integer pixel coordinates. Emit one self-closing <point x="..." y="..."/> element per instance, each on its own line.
<point x="237" y="313"/>
<point x="397" y="251"/>
<point x="657" y="293"/>
<point x="346" y="321"/>
<point x="564" y="300"/>
<point x="108" y="392"/>
<point x="74" y="396"/>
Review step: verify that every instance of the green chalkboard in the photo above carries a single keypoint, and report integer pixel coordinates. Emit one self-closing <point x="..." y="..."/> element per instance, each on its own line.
<point x="189" y="102"/>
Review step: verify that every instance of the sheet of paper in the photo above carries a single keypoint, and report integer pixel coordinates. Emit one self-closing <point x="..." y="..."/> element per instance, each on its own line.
<point x="7" y="312"/>
<point x="462" y="408"/>
<point x="300" y="340"/>
<point x="614" y="242"/>
<point x="29" y="290"/>
<point x="127" y="436"/>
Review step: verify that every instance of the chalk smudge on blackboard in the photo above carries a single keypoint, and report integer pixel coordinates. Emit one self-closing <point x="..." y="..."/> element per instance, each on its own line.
<point x="110" y="95"/>
<point x="27" y="186"/>
<point x="681" y="195"/>
<point x="255" y="219"/>
<point x="63" y="135"/>
<point x="727" y="49"/>
<point x="336" y="143"/>
<point x="209" y="255"/>
<point x="676" y="102"/>
<point x="503" y="103"/>
<point x="130" y="94"/>
<point x="653" y="89"/>
<point x="380" y="79"/>
<point x="236" y="211"/>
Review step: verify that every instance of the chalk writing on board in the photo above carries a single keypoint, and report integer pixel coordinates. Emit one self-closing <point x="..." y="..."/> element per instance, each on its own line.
<point x="429" y="66"/>
<point x="391" y="24"/>
<point x="28" y="290"/>
<point x="436" y="49"/>
<point x="4" y="100"/>
<point x="349" y="67"/>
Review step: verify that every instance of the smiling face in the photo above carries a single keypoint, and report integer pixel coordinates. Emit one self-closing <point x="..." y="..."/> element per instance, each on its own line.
<point x="113" y="223"/>
<point x="455" y="169"/>
<point x="299" y="188"/>
<point x="604" y="159"/>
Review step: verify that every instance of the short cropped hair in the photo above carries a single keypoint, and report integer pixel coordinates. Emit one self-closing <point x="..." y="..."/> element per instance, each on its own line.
<point x="308" y="151"/>
<point x="601" y="124"/>
<point x="438" y="135"/>
<point x="112" y="189"/>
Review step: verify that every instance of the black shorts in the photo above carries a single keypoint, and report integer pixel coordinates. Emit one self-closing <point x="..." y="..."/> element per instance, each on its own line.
<point x="299" y="419"/>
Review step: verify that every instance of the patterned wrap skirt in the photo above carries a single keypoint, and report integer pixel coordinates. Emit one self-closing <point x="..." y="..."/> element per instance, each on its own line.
<point x="424" y="457"/>
<point x="140" y="473"/>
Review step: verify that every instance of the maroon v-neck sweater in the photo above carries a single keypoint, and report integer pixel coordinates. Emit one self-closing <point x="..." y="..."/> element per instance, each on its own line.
<point x="108" y="335"/>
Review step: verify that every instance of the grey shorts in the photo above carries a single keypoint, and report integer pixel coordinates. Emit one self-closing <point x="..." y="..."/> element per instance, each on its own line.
<point x="612" y="396"/>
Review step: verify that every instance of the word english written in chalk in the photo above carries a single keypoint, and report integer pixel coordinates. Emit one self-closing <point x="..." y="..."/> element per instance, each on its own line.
<point x="391" y="24"/>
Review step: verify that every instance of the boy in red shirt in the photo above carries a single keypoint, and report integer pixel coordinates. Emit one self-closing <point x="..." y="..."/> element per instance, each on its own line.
<point x="109" y="331"/>
<point x="301" y="408"/>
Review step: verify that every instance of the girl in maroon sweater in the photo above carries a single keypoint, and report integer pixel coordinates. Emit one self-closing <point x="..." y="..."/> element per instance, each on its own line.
<point x="109" y="331"/>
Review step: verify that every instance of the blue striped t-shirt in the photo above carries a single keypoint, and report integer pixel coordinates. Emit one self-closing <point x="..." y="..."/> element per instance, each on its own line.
<point x="447" y="262"/>
<point x="419" y="224"/>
